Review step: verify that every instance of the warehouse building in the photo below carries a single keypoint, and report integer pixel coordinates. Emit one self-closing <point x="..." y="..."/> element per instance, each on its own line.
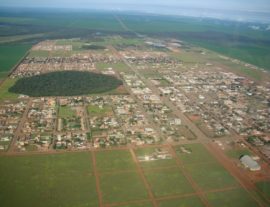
<point x="250" y="163"/>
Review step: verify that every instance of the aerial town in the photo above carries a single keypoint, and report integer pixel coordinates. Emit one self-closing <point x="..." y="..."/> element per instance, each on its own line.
<point x="162" y="96"/>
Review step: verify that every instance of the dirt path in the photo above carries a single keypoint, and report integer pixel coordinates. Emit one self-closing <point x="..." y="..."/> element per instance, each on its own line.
<point x="194" y="185"/>
<point x="147" y="186"/>
<point x="98" y="189"/>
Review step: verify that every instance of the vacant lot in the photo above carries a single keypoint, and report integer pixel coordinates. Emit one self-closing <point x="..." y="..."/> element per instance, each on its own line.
<point x="264" y="187"/>
<point x="47" y="180"/>
<point x="114" y="160"/>
<point x="182" y="202"/>
<point x="121" y="187"/>
<point x="66" y="112"/>
<point x="168" y="182"/>
<point x="94" y="110"/>
<point x="233" y="198"/>
<point x="211" y="176"/>
<point x="4" y="93"/>
<point x="153" y="164"/>
<point x="195" y="153"/>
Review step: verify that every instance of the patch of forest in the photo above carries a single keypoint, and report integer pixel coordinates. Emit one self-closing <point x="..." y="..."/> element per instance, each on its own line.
<point x="65" y="83"/>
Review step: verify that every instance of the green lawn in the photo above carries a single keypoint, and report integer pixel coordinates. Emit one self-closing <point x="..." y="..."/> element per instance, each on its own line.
<point x="38" y="53"/>
<point x="4" y="93"/>
<point x="122" y="187"/>
<point x="138" y="205"/>
<point x="94" y="110"/>
<point x="120" y="67"/>
<point x="114" y="160"/>
<point x="264" y="186"/>
<point x="47" y="181"/>
<point x="210" y="176"/>
<point x="233" y="198"/>
<point x="236" y="153"/>
<point x="198" y="154"/>
<point x="66" y="112"/>
<point x="168" y="182"/>
<point x="156" y="163"/>
<point x="182" y="202"/>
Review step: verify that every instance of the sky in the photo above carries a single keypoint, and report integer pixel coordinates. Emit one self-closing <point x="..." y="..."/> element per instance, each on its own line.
<point x="243" y="5"/>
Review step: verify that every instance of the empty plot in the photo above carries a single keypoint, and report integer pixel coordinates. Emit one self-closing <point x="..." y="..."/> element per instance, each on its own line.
<point x="233" y="198"/>
<point x="264" y="187"/>
<point x="168" y="182"/>
<point x="122" y="187"/>
<point x="182" y="202"/>
<point x="143" y="152"/>
<point x="147" y="204"/>
<point x="47" y="180"/>
<point x="114" y="160"/>
<point x="211" y="176"/>
<point x="194" y="153"/>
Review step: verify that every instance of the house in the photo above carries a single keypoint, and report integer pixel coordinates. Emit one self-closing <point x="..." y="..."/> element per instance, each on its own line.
<point x="250" y="163"/>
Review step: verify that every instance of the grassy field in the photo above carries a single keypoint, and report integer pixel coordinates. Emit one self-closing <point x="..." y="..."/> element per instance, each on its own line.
<point x="236" y="153"/>
<point x="264" y="187"/>
<point x="211" y="176"/>
<point x="147" y="204"/>
<point x="10" y="55"/>
<point x="4" y="93"/>
<point x="114" y="160"/>
<point x="168" y="182"/>
<point x="94" y="110"/>
<point x="121" y="187"/>
<point x="233" y="198"/>
<point x="198" y="154"/>
<point x="50" y="181"/>
<point x="66" y="112"/>
<point x="183" y="202"/>
<point x="120" y="67"/>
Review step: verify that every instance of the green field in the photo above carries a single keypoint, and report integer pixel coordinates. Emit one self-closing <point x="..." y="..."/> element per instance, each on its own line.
<point x="264" y="187"/>
<point x="120" y="67"/>
<point x="210" y="176"/>
<point x="236" y="153"/>
<point x="66" y="112"/>
<point x="10" y="56"/>
<point x="114" y="160"/>
<point x="47" y="180"/>
<point x="198" y="154"/>
<point x="183" y="202"/>
<point x="147" y="204"/>
<point x="4" y="93"/>
<point x="121" y="187"/>
<point x="233" y="198"/>
<point x="94" y="110"/>
<point x="168" y="182"/>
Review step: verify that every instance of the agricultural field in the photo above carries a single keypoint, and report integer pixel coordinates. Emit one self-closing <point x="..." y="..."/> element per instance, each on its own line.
<point x="4" y="90"/>
<point x="48" y="180"/>
<point x="264" y="187"/>
<point x="117" y="171"/>
<point x="10" y="55"/>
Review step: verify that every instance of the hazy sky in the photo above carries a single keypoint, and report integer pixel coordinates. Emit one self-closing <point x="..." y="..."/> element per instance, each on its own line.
<point x="250" y="5"/>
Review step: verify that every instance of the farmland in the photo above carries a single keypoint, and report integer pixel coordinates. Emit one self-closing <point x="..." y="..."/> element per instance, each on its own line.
<point x="49" y="180"/>
<point x="115" y="171"/>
